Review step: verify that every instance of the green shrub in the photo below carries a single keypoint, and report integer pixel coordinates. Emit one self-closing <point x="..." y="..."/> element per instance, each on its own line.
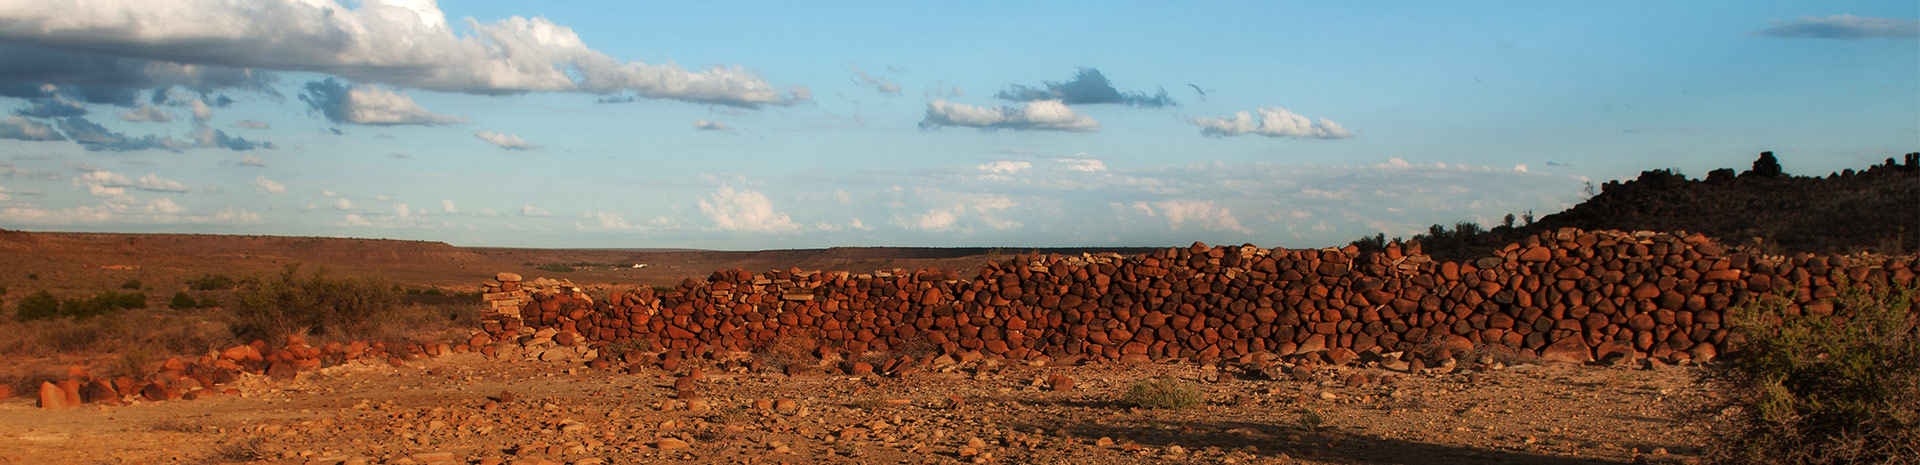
<point x="1163" y="393"/>
<point x="211" y="282"/>
<point x="1832" y="389"/>
<point x="181" y="300"/>
<point x="39" y="305"/>
<point x="209" y="302"/>
<point x="271" y="307"/>
<point x="131" y="284"/>
<point x="555" y="267"/>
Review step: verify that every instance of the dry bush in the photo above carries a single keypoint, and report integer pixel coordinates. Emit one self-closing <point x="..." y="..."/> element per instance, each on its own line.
<point x="272" y="307"/>
<point x="243" y="450"/>
<point x="787" y="350"/>
<point x="26" y="379"/>
<point x="1163" y="393"/>
<point x="1807" y="389"/>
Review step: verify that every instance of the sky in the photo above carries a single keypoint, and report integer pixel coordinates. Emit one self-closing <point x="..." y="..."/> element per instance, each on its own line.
<point x="749" y="125"/>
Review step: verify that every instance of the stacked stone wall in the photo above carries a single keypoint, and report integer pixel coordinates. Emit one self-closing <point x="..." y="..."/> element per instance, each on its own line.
<point x="1562" y="295"/>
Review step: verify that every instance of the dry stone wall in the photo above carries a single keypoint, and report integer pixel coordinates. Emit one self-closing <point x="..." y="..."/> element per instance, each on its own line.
<point x="1562" y="295"/>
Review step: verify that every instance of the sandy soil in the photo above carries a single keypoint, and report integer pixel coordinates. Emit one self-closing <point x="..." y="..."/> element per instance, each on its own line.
<point x="464" y="408"/>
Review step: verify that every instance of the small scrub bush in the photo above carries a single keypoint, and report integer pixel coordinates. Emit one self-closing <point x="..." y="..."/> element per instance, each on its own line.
<point x="212" y="282"/>
<point x="1163" y="393"/>
<point x="37" y="306"/>
<point x="271" y="307"/>
<point x="1808" y="389"/>
<point x="555" y="268"/>
<point x="181" y="300"/>
<point x="131" y="284"/>
<point x="209" y="302"/>
<point x="1310" y="420"/>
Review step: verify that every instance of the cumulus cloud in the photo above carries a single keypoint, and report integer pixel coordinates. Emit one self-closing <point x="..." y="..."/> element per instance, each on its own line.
<point x="1087" y="87"/>
<point x="1089" y="165"/>
<point x="251" y="124"/>
<point x="1041" y="115"/>
<point x="94" y="137"/>
<point x="1199" y="212"/>
<point x="705" y="125"/>
<point x="207" y="136"/>
<point x="402" y="43"/>
<point x="1273" y="122"/>
<point x="505" y="141"/>
<point x="401" y="210"/>
<point x="153" y="182"/>
<point x="342" y="204"/>
<point x="107" y="77"/>
<point x="446" y="205"/>
<point x="369" y="105"/>
<point x="881" y="85"/>
<point x="1843" y="27"/>
<point x="533" y="211"/>
<point x="1005" y="166"/>
<point x="269" y="186"/>
<point x="51" y="107"/>
<point x="147" y="113"/>
<point x="745" y="211"/>
<point x="18" y="128"/>
<point x="250" y="160"/>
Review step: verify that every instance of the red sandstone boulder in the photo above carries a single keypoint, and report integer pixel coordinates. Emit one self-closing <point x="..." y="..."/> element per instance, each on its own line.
<point x="1569" y="349"/>
<point x="52" y="397"/>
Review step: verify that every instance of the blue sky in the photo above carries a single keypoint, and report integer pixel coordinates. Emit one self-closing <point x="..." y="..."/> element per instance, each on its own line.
<point x="783" y="125"/>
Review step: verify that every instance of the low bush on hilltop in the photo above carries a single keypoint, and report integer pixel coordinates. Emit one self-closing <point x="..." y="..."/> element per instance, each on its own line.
<point x="1824" y="389"/>
<point x="269" y="307"/>
<point x="43" y="305"/>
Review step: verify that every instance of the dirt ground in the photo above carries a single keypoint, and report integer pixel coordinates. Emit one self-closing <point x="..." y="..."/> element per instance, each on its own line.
<point x="465" y="408"/>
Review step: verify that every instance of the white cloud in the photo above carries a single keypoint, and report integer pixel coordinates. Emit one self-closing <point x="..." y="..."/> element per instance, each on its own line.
<point x="354" y="219"/>
<point x="745" y="210"/>
<point x="401" y="210"/>
<point x="446" y="205"/>
<point x="370" y="105"/>
<point x="1204" y="213"/>
<point x="201" y="112"/>
<point x="1844" y="27"/>
<point x="1039" y="115"/>
<point x="250" y="160"/>
<point x="405" y="43"/>
<point x="531" y="210"/>
<point x="1005" y="166"/>
<point x="164" y="205"/>
<point x="268" y="185"/>
<point x="252" y="124"/>
<point x="489" y="212"/>
<point x="882" y="85"/>
<point x="381" y="197"/>
<point x="1520" y="168"/>
<point x="505" y="141"/>
<point x="705" y="125"/>
<point x="1089" y="165"/>
<point x="329" y="193"/>
<point x="148" y="113"/>
<point x="936" y="220"/>
<point x="18" y="128"/>
<point x="342" y="204"/>
<point x="153" y="182"/>
<point x="1273" y="122"/>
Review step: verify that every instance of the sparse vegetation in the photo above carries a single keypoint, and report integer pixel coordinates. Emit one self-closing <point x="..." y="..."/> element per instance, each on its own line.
<point x="1824" y="389"/>
<point x="555" y="268"/>
<point x="1310" y="420"/>
<point x="182" y="300"/>
<point x="131" y="284"/>
<point x="211" y="282"/>
<point x="1163" y="393"/>
<point x="271" y="307"/>
<point x="35" y="306"/>
<point x="209" y="302"/>
<point x="243" y="450"/>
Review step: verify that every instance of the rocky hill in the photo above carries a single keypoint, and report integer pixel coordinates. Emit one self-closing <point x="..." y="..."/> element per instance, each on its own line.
<point x="1876" y="209"/>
